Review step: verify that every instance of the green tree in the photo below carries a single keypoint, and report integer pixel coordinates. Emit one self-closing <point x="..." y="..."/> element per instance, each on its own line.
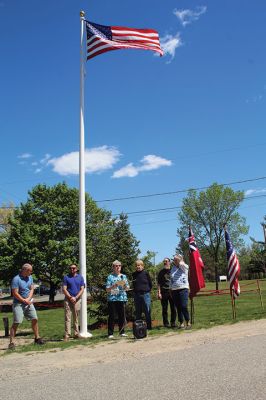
<point x="257" y="264"/>
<point x="6" y="211"/>
<point x="123" y="246"/>
<point x="207" y="212"/>
<point x="44" y="232"/>
<point x="150" y="265"/>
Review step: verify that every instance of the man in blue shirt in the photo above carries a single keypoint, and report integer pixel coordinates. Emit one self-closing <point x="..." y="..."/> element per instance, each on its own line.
<point x="22" y="292"/>
<point x="73" y="288"/>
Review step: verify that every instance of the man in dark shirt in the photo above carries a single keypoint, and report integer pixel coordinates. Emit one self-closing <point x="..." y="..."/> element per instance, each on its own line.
<point x="142" y="286"/>
<point x="164" y="293"/>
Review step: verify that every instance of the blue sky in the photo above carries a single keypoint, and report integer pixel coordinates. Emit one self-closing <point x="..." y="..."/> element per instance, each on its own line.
<point x="153" y="125"/>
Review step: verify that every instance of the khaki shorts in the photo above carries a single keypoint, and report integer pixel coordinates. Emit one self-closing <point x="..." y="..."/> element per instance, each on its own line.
<point x="23" y="310"/>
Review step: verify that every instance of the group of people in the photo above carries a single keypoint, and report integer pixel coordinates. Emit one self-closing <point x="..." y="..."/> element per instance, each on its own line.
<point x="173" y="290"/>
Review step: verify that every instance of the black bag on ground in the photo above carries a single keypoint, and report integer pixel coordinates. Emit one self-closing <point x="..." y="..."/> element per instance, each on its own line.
<point x="139" y="329"/>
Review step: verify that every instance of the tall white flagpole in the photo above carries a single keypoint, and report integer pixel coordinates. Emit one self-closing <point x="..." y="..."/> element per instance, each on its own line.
<point x="82" y="209"/>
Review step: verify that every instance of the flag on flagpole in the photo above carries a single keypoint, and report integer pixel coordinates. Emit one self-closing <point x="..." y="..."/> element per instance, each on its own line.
<point x="196" y="279"/>
<point x="101" y="38"/>
<point x="233" y="266"/>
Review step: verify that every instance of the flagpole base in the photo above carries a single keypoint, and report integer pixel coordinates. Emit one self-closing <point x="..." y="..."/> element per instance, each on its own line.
<point x="85" y="335"/>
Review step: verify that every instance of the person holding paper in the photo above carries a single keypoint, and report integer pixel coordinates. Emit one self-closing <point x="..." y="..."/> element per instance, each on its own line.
<point x="116" y="287"/>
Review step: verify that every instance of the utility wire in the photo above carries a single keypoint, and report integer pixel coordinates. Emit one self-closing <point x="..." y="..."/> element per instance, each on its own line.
<point x="168" y="193"/>
<point x="179" y="191"/>
<point x="172" y="208"/>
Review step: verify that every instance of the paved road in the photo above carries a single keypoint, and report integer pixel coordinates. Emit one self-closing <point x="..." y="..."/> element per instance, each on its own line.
<point x="217" y="371"/>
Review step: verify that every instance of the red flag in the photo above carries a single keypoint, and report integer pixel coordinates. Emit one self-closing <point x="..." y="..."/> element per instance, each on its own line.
<point x="196" y="279"/>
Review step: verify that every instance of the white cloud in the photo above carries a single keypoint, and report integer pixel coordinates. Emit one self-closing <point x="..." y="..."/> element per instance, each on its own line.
<point x="37" y="170"/>
<point x="255" y="99"/>
<point x="249" y="192"/>
<point x="170" y="43"/>
<point x="24" y="156"/>
<point x="151" y="162"/>
<point x="188" y="16"/>
<point x="45" y="159"/>
<point x="148" y="163"/>
<point x="97" y="160"/>
<point x="129" y="170"/>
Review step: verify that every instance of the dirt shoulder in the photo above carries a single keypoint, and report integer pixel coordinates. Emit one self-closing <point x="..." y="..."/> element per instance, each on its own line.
<point x="122" y="349"/>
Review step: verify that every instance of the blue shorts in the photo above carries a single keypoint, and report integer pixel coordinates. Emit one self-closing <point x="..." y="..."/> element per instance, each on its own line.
<point x="23" y="310"/>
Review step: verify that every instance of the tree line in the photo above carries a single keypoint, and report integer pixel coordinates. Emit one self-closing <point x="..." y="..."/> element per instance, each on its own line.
<point x="45" y="232"/>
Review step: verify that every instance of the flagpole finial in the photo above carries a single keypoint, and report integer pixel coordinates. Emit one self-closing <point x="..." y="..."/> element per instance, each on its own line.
<point x="82" y="14"/>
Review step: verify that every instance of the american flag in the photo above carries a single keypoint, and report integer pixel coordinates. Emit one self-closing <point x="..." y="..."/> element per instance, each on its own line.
<point x="101" y="38"/>
<point x="233" y="266"/>
<point x="196" y="279"/>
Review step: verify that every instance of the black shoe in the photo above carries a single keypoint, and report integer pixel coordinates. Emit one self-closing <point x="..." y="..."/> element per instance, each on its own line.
<point x="173" y="325"/>
<point x="11" y="346"/>
<point x="39" y="341"/>
<point x="166" y="325"/>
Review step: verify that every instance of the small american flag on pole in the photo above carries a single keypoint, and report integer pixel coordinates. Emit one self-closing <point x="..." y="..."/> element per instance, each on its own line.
<point x="233" y="266"/>
<point x="101" y="38"/>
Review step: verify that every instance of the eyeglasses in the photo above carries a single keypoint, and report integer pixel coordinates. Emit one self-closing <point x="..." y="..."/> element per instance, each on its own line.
<point x="73" y="268"/>
<point x="117" y="265"/>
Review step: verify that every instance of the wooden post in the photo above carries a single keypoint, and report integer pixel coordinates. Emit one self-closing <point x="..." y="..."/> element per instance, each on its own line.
<point x="6" y="326"/>
<point x="260" y="294"/>
<point x="233" y="304"/>
<point x="192" y="311"/>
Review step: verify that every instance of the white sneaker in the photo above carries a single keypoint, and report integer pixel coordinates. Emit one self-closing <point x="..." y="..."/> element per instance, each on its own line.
<point x="111" y="337"/>
<point x="86" y="335"/>
<point x="123" y="335"/>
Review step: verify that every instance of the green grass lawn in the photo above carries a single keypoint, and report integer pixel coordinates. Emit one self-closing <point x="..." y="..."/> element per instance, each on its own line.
<point x="209" y="310"/>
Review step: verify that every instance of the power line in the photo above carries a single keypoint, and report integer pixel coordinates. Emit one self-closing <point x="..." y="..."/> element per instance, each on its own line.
<point x="176" y="191"/>
<point x="179" y="191"/>
<point x="149" y="210"/>
<point x="166" y="193"/>
<point x="172" y="208"/>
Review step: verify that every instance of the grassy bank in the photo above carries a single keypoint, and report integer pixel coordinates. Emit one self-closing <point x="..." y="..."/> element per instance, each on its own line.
<point x="210" y="310"/>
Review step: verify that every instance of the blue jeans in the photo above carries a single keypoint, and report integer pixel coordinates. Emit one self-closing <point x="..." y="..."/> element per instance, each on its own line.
<point x="142" y="303"/>
<point x="180" y="299"/>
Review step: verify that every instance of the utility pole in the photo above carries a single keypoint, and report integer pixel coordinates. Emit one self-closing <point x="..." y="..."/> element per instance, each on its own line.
<point x="264" y="232"/>
<point x="154" y="266"/>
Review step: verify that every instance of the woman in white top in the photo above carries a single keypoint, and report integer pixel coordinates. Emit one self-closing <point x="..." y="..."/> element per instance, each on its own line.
<point x="179" y="289"/>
